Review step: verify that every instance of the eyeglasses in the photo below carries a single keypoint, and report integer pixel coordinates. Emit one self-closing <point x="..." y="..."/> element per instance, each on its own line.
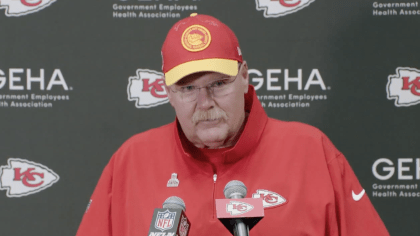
<point x="218" y="88"/>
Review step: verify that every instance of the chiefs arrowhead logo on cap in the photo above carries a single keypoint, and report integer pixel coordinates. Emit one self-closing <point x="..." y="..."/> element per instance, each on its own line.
<point x="196" y="38"/>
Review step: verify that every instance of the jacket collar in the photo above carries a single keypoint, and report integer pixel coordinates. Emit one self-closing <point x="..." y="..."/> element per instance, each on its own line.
<point x="248" y="140"/>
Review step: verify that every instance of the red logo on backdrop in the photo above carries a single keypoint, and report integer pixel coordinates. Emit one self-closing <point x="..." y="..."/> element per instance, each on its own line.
<point x="147" y="89"/>
<point x="288" y="3"/>
<point x="28" y="175"/>
<point x="404" y="87"/>
<point x="238" y="208"/>
<point x="154" y="88"/>
<point x="413" y="86"/>
<point x="23" y="7"/>
<point x="277" y="8"/>
<point x="270" y="198"/>
<point x="22" y="177"/>
<point x="26" y="3"/>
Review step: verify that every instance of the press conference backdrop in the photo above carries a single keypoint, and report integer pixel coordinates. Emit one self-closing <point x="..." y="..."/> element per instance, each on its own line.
<point x="78" y="78"/>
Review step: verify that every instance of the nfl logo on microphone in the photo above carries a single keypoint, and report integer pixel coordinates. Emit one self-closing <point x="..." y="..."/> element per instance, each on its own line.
<point x="165" y="220"/>
<point x="169" y="222"/>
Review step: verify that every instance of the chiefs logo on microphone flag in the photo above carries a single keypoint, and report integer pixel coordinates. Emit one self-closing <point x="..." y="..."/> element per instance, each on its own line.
<point x="244" y="207"/>
<point x="250" y="210"/>
<point x="238" y="208"/>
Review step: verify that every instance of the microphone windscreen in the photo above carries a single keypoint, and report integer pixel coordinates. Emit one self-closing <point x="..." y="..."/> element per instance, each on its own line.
<point x="235" y="189"/>
<point x="174" y="202"/>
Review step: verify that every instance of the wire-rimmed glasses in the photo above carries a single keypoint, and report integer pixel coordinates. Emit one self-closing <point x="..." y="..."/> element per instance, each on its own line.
<point x="217" y="88"/>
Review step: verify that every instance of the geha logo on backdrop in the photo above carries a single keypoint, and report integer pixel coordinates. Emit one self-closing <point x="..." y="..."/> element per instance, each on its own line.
<point x="397" y="178"/>
<point x="157" y="9"/>
<point x="22" y="177"/>
<point x="404" y="87"/>
<point x="27" y="88"/>
<point x="277" y="8"/>
<point x="396" y="8"/>
<point x="23" y="7"/>
<point x="289" y="88"/>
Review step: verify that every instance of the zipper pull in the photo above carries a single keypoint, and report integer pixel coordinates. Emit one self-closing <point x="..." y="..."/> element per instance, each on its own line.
<point x="215" y="177"/>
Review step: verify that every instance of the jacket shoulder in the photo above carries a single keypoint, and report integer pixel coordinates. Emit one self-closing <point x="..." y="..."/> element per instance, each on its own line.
<point x="294" y="128"/>
<point x="301" y="135"/>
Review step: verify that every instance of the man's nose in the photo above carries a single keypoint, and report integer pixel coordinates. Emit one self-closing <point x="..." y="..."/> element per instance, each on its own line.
<point x="204" y="98"/>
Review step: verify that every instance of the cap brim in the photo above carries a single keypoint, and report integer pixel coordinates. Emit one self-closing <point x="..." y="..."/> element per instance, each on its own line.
<point x="224" y="66"/>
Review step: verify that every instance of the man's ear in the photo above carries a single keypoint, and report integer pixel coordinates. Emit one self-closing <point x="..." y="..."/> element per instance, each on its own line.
<point x="245" y="76"/>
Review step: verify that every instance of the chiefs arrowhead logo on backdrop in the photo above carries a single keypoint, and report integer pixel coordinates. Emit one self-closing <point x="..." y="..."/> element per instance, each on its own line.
<point x="270" y="199"/>
<point x="276" y="8"/>
<point x="23" y="7"/>
<point x="147" y="89"/>
<point x="404" y="87"/>
<point x="22" y="177"/>
<point x="238" y="208"/>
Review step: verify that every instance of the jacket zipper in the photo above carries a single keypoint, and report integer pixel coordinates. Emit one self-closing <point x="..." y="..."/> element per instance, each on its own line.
<point x="214" y="195"/>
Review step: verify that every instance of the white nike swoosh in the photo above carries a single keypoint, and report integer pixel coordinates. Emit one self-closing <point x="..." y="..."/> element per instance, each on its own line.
<point x="359" y="196"/>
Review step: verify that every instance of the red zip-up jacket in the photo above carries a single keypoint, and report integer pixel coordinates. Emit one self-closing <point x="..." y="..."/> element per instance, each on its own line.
<point x="307" y="185"/>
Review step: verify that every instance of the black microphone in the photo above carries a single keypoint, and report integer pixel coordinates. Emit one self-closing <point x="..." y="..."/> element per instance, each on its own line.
<point x="170" y="220"/>
<point x="235" y="189"/>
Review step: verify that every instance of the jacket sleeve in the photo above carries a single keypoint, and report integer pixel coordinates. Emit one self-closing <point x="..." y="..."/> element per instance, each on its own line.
<point x="354" y="213"/>
<point x="97" y="218"/>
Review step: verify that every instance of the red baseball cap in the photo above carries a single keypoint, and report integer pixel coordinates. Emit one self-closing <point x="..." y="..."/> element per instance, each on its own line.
<point x="199" y="43"/>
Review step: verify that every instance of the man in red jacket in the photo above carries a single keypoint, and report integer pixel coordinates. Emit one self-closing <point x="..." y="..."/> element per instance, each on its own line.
<point x="221" y="133"/>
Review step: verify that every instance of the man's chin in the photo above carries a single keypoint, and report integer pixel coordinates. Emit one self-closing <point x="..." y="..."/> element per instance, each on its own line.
<point x="214" y="145"/>
<point x="213" y="137"/>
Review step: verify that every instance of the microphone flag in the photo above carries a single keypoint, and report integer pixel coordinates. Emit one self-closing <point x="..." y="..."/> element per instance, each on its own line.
<point x="169" y="222"/>
<point x="249" y="210"/>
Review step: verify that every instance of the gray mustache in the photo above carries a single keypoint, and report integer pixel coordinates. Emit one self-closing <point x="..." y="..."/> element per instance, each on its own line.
<point x="212" y="114"/>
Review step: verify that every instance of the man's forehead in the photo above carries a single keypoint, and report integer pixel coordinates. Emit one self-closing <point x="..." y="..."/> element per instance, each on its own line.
<point x="206" y="76"/>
